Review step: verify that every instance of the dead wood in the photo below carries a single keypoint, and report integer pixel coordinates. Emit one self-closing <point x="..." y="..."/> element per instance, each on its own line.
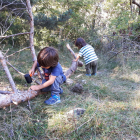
<point x="31" y="30"/>
<point x="16" y="98"/>
<point x="21" y="72"/>
<point x="7" y="99"/>
<point x="13" y="35"/>
<point x="80" y="64"/>
<point x="71" y="70"/>
<point x="5" y="92"/>
<point x="2" y="60"/>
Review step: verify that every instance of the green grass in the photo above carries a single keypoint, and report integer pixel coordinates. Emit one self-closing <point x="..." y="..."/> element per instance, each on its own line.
<point x="111" y="100"/>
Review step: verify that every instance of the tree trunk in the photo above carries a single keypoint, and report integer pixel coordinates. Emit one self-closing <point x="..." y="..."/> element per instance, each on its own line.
<point x="71" y="70"/>
<point x="31" y="30"/>
<point x="7" y="99"/>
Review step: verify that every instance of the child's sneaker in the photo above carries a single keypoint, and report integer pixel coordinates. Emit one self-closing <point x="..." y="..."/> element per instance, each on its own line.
<point x="88" y="74"/>
<point x="53" y="100"/>
<point x="61" y="90"/>
<point x="94" y="74"/>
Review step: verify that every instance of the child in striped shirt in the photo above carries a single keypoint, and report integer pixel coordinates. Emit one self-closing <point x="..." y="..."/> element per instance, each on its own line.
<point x="87" y="52"/>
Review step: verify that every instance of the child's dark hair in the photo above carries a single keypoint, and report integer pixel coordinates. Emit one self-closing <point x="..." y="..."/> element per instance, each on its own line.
<point x="80" y="42"/>
<point x="48" y="56"/>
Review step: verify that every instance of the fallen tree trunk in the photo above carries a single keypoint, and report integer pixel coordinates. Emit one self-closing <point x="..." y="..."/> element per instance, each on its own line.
<point x="16" y="98"/>
<point x="7" y="99"/>
<point x="71" y="70"/>
<point x="5" y="92"/>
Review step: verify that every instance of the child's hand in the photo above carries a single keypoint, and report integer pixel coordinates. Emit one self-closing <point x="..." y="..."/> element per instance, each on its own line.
<point x="74" y="60"/>
<point x="31" y="72"/>
<point x="35" y="87"/>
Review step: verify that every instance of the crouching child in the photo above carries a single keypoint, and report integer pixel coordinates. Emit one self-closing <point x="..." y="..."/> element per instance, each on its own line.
<point x="48" y="59"/>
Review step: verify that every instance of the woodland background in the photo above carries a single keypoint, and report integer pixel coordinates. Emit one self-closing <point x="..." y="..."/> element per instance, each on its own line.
<point x="111" y="99"/>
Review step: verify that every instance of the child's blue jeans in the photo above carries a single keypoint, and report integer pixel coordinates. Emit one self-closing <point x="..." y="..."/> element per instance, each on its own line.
<point x="55" y="87"/>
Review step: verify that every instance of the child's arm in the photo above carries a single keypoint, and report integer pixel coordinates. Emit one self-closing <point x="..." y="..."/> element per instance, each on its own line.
<point x="46" y="84"/>
<point x="32" y="70"/>
<point x="78" y="56"/>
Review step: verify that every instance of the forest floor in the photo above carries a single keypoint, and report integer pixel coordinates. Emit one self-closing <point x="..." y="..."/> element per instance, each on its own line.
<point x="110" y="103"/>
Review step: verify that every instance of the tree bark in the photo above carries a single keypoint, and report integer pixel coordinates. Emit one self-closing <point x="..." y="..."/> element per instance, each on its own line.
<point x="31" y="30"/>
<point x="7" y="99"/>
<point x="5" y="92"/>
<point x="71" y="70"/>
<point x="80" y="64"/>
<point x="8" y="73"/>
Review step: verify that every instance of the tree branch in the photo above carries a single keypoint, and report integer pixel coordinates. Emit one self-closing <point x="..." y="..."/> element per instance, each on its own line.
<point x="80" y="64"/>
<point x="5" y="92"/>
<point x="134" y="2"/>
<point x="14" y="35"/>
<point x="7" y="72"/>
<point x="31" y="30"/>
<point x="7" y="5"/>
<point x="21" y="72"/>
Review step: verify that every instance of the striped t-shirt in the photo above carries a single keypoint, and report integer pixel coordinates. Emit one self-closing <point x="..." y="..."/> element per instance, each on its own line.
<point x="88" y="53"/>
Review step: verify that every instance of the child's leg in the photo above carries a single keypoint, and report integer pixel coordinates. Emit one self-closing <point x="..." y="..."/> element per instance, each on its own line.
<point x="55" y="87"/>
<point x="55" y="91"/>
<point x="94" y="67"/>
<point x="88" y="71"/>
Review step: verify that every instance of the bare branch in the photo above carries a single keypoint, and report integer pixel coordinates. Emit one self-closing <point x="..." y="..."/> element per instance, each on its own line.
<point x="76" y="129"/>
<point x="5" y="92"/>
<point x="12" y="23"/>
<point x="18" y="51"/>
<point x="80" y="64"/>
<point x="7" y="5"/>
<point x="21" y="72"/>
<point x="14" y="35"/>
<point x="7" y="72"/>
<point x="14" y="68"/>
<point x="134" y="2"/>
<point x="12" y="13"/>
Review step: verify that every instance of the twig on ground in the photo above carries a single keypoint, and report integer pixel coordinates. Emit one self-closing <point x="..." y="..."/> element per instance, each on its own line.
<point x="84" y="123"/>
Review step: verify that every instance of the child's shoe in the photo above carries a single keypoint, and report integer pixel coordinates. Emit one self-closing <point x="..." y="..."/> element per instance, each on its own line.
<point x="94" y="74"/>
<point x="88" y="74"/>
<point x="61" y="90"/>
<point x="53" y="100"/>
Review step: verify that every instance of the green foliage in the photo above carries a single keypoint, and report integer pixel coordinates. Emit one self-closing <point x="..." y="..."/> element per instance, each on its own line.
<point x="51" y="23"/>
<point x="121" y="16"/>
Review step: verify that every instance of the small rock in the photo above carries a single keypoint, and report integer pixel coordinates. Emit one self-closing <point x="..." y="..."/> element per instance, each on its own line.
<point x="77" y="88"/>
<point x="76" y="112"/>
